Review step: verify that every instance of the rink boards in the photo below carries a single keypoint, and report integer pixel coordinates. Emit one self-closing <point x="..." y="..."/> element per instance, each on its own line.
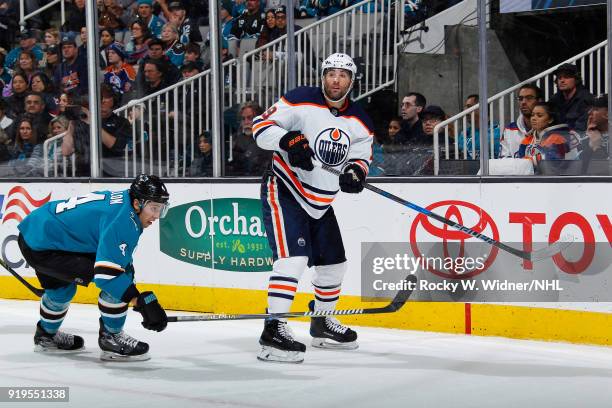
<point x="211" y="255"/>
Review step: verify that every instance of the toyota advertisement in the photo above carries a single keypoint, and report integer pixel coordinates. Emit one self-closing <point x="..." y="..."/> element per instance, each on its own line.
<point x="213" y="236"/>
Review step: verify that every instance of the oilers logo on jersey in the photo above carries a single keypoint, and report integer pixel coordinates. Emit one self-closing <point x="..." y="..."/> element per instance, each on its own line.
<point x="332" y="146"/>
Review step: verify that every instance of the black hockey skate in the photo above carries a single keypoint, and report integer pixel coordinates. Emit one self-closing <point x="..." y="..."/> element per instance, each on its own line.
<point x="58" y="342"/>
<point x="121" y="346"/>
<point x="327" y="332"/>
<point x="278" y="344"/>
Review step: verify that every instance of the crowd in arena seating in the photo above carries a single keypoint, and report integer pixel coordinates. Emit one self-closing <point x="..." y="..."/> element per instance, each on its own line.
<point x="145" y="46"/>
<point x="571" y="125"/>
<point x="149" y="45"/>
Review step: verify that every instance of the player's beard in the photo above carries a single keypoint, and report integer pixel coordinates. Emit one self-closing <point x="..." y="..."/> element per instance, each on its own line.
<point x="336" y="95"/>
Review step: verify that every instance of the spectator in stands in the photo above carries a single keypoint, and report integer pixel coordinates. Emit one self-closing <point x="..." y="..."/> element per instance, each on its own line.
<point x="5" y="121"/>
<point x="328" y="7"/>
<point x="115" y="133"/>
<point x="77" y="136"/>
<point x="119" y="74"/>
<point x="227" y="20"/>
<point x="83" y="47"/>
<point x="250" y="23"/>
<point x="189" y="70"/>
<point x="197" y="108"/>
<point x="138" y="46"/>
<point x="201" y="166"/>
<point x="9" y="11"/>
<point x="596" y="145"/>
<point x="40" y="83"/>
<point x="173" y="48"/>
<point x="66" y="99"/>
<point x="27" y="151"/>
<point x="52" y="37"/>
<point x="549" y="139"/>
<point x="192" y="54"/>
<point x="5" y="76"/>
<point x="110" y="15"/>
<point x="57" y="126"/>
<point x="472" y="140"/>
<point x="306" y="9"/>
<point x="394" y="128"/>
<point x="51" y="61"/>
<point x="248" y="158"/>
<point x="515" y="132"/>
<point x="75" y="17"/>
<point x="17" y="95"/>
<point x="154" y="75"/>
<point x="5" y="140"/>
<point x="36" y="110"/>
<point x="430" y="117"/>
<point x="107" y="37"/>
<point x="130" y="11"/>
<point x="72" y="72"/>
<point x="572" y="101"/>
<point x="280" y="18"/>
<point x="145" y="13"/>
<point x="27" y="63"/>
<point x="267" y="32"/>
<point x="171" y="73"/>
<point x="176" y="14"/>
<point x="411" y="131"/>
<point x="27" y="42"/>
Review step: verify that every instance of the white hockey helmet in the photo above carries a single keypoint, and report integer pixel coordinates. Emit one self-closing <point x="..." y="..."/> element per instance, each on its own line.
<point x="338" y="61"/>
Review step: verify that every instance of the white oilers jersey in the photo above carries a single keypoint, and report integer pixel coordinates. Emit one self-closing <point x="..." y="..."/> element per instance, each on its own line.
<point x="337" y="137"/>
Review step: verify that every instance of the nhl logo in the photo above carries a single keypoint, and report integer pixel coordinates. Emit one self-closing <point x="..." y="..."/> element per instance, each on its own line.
<point x="331" y="146"/>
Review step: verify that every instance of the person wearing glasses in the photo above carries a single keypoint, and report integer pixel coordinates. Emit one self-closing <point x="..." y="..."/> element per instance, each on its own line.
<point x="515" y="132"/>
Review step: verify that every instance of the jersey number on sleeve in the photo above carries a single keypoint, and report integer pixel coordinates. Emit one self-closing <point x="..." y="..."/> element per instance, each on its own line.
<point x="72" y="202"/>
<point x="269" y="112"/>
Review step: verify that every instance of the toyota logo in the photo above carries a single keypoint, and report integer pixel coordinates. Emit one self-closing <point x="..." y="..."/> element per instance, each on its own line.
<point x="456" y="211"/>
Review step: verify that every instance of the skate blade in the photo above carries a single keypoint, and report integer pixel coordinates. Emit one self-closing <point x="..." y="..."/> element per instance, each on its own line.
<point x="54" y="350"/>
<point x="333" y="345"/>
<point x="110" y="356"/>
<point x="275" y="355"/>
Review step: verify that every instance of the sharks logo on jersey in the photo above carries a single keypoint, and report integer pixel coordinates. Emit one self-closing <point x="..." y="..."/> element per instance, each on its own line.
<point x="332" y="146"/>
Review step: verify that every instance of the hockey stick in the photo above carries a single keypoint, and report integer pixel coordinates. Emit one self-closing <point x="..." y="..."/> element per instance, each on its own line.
<point x="38" y="292"/>
<point x="538" y="255"/>
<point x="396" y="304"/>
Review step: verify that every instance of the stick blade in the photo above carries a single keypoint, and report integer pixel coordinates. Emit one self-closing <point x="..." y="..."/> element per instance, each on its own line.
<point x="402" y="296"/>
<point x="564" y="242"/>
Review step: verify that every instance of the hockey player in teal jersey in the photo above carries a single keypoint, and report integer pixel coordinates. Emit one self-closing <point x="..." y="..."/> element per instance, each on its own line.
<point x="92" y="239"/>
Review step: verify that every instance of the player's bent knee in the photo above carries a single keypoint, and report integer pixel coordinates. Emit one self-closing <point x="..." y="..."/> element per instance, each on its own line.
<point x="292" y="267"/>
<point x="329" y="275"/>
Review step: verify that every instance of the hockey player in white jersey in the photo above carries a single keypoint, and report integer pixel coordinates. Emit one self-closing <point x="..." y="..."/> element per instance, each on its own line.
<point x="306" y="124"/>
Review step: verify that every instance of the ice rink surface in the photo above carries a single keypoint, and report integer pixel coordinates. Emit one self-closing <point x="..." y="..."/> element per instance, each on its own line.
<point x="213" y="364"/>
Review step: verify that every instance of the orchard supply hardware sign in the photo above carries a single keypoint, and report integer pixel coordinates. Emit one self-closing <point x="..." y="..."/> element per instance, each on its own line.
<point x="225" y="233"/>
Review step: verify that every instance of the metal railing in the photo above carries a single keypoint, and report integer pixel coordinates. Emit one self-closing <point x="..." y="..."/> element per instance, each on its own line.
<point x="371" y="38"/>
<point x="52" y="145"/>
<point x="23" y="17"/>
<point x="503" y="106"/>
<point x="166" y="124"/>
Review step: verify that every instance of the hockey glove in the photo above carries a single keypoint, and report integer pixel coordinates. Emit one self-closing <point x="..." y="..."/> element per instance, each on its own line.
<point x="153" y="315"/>
<point x="300" y="153"/>
<point x="352" y="179"/>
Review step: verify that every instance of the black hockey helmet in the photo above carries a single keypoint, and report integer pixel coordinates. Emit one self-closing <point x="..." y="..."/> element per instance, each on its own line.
<point x="149" y="188"/>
